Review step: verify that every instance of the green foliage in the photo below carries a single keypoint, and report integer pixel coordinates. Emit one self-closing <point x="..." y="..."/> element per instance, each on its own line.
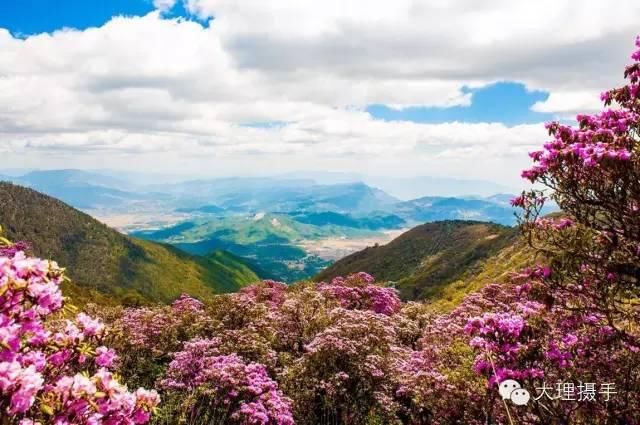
<point x="108" y="266"/>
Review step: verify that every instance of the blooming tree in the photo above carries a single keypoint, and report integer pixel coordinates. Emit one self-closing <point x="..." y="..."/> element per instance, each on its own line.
<point x="593" y="172"/>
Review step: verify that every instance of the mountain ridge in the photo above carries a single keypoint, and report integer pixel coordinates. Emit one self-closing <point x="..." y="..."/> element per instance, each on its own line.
<point x="440" y="260"/>
<point x="101" y="260"/>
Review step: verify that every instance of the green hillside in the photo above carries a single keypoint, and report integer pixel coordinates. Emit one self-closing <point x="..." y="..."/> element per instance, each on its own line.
<point x="262" y="228"/>
<point x="108" y="265"/>
<point x="270" y="242"/>
<point x="440" y="261"/>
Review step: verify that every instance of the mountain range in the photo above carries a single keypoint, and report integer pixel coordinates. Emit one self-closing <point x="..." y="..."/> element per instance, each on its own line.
<point x="287" y="227"/>
<point x="440" y="261"/>
<point x="104" y="194"/>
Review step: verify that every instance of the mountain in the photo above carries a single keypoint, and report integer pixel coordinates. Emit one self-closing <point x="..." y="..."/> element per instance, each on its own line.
<point x="104" y="191"/>
<point x="351" y="198"/>
<point x="372" y="221"/>
<point x="110" y="265"/>
<point x="277" y="195"/>
<point x="205" y="209"/>
<point x="500" y="198"/>
<point x="81" y="189"/>
<point x="323" y="177"/>
<point x="433" y="208"/>
<point x="109" y="195"/>
<point x="259" y="228"/>
<point x="407" y="188"/>
<point x="417" y="187"/>
<point x="71" y="177"/>
<point x="440" y="261"/>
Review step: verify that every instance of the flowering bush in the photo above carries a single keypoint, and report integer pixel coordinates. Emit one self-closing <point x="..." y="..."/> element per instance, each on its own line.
<point x="358" y="292"/>
<point x="55" y="370"/>
<point x="223" y="389"/>
<point x="587" y="294"/>
<point x="347" y="373"/>
<point x="593" y="170"/>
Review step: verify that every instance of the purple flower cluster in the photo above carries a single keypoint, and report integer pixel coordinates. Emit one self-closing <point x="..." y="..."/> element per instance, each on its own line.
<point x="12" y="249"/>
<point x="56" y="371"/>
<point x="269" y="292"/>
<point x="358" y="292"/>
<point x="600" y="138"/>
<point x="242" y="393"/>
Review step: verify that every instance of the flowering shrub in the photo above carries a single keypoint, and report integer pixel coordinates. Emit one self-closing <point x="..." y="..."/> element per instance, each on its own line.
<point x="223" y="389"/>
<point x="593" y="170"/>
<point x="357" y="292"/>
<point x="347" y="373"/>
<point x="586" y="324"/>
<point x="55" y="370"/>
<point x="268" y="292"/>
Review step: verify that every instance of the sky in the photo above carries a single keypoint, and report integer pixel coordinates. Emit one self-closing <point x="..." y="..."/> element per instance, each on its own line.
<point x="455" y="88"/>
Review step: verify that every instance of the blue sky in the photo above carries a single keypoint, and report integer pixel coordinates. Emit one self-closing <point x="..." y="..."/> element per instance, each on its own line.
<point x="505" y="102"/>
<point x="26" y="17"/>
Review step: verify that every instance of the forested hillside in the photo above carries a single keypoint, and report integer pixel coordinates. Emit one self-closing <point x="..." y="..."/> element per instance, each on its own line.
<point x="102" y="261"/>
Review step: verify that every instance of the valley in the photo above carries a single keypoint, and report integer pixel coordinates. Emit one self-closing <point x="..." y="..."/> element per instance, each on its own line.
<point x="286" y="228"/>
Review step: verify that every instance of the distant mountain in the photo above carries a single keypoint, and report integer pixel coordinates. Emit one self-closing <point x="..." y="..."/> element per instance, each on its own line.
<point x="407" y="188"/>
<point x="440" y="261"/>
<point x="105" y="263"/>
<point x="259" y="228"/>
<point x="278" y="195"/>
<point x="99" y="191"/>
<point x="417" y="187"/>
<point x="501" y="199"/>
<point x="105" y="194"/>
<point x="205" y="209"/>
<point x="72" y="178"/>
<point x="323" y="177"/>
<point x="431" y="208"/>
<point x="353" y="198"/>
<point x="80" y="189"/>
<point x="371" y="222"/>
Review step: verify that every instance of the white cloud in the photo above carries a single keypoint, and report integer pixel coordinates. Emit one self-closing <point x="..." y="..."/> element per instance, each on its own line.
<point x="569" y="103"/>
<point x="164" y="5"/>
<point x="147" y="91"/>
